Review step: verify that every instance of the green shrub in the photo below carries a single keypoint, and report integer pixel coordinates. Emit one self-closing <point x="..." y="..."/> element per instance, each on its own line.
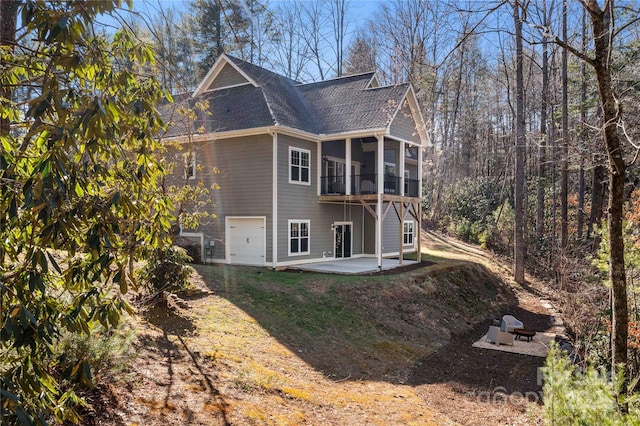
<point x="107" y="352"/>
<point x="467" y="210"/>
<point x="498" y="235"/>
<point x="79" y="361"/>
<point x="466" y="230"/>
<point x="474" y="200"/>
<point x="573" y="397"/>
<point x="167" y="269"/>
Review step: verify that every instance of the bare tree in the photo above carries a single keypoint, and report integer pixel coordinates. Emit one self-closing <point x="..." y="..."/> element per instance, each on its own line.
<point x="564" y="165"/>
<point x="544" y="142"/>
<point x="520" y="148"/>
<point x="314" y="36"/>
<point x="338" y="11"/>
<point x="291" y="50"/>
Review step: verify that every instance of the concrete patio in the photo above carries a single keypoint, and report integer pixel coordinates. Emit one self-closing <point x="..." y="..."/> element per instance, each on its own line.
<point x="538" y="346"/>
<point x="357" y="265"/>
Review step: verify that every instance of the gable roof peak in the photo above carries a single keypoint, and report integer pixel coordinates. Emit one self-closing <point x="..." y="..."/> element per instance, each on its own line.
<point x="216" y="68"/>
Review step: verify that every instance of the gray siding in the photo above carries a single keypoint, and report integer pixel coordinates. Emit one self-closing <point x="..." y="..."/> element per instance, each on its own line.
<point x="391" y="233"/>
<point x="300" y="202"/>
<point x="370" y="233"/>
<point x="228" y="76"/>
<point x="403" y="125"/>
<point x="245" y="180"/>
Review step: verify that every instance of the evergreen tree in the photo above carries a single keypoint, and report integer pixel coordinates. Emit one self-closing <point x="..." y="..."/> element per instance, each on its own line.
<point x="361" y="56"/>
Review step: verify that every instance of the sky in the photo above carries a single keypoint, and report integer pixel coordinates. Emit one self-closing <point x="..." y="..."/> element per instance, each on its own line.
<point x="358" y="13"/>
<point x="359" y="10"/>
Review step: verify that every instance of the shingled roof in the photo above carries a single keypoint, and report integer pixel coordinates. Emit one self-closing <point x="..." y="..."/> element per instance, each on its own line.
<point x="346" y="104"/>
<point x="335" y="106"/>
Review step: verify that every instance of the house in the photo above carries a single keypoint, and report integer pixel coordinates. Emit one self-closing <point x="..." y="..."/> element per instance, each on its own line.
<point x="308" y="172"/>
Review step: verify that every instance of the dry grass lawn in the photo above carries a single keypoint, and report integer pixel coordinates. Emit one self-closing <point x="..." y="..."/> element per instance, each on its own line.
<point x="257" y="347"/>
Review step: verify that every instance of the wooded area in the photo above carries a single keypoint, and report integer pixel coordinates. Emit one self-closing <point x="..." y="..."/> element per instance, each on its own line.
<point x="533" y="109"/>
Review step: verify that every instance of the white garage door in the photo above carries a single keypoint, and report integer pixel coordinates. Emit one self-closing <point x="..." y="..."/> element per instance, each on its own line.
<point x="246" y="237"/>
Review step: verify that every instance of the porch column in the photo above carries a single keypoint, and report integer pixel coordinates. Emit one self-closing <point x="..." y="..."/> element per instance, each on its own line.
<point x="380" y="191"/>
<point x="402" y="167"/>
<point x="348" y="166"/>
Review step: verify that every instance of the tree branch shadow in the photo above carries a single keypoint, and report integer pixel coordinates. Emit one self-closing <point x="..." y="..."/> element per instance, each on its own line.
<point x="173" y="324"/>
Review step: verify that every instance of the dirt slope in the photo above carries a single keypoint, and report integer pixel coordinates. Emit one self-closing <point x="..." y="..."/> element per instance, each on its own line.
<point x="259" y="347"/>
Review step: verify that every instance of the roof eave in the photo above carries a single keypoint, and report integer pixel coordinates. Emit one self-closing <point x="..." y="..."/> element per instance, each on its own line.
<point x="278" y="129"/>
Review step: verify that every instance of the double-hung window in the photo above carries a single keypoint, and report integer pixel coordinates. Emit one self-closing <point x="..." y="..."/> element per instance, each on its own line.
<point x="407" y="232"/>
<point x="298" y="237"/>
<point x="299" y="166"/>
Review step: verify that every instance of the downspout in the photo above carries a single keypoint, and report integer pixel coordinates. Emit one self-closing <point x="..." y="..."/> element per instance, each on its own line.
<point x="420" y="202"/>
<point x="274" y="201"/>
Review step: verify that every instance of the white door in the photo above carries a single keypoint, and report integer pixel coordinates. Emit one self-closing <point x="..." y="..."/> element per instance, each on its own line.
<point x="246" y="241"/>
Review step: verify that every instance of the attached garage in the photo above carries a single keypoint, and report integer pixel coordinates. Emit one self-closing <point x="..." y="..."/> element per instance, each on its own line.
<point x="246" y="240"/>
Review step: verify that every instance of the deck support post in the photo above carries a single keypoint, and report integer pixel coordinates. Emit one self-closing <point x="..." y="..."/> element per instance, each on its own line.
<point x="380" y="191"/>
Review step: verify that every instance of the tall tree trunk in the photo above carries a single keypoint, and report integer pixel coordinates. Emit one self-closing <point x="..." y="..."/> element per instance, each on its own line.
<point x="583" y="127"/>
<point x="601" y="21"/>
<point x="544" y="142"/>
<point x="455" y="133"/>
<point x="564" y="174"/>
<point x="338" y="11"/>
<point x="519" y="187"/>
<point x="581" y="193"/>
<point x="218" y="24"/>
<point x="597" y="198"/>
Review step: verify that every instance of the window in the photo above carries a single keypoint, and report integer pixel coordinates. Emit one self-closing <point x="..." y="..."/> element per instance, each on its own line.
<point x="299" y="165"/>
<point x="298" y="237"/>
<point x="407" y="233"/>
<point x="190" y="165"/>
<point x="335" y="177"/>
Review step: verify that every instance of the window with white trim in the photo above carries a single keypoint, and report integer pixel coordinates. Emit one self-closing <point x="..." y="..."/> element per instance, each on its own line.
<point x="299" y="166"/>
<point x="190" y="165"/>
<point x="299" y="237"/>
<point x="407" y="232"/>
